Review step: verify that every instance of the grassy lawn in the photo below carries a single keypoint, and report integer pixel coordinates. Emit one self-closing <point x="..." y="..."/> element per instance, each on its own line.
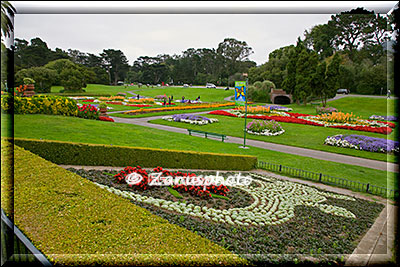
<point x="206" y="94"/>
<point x="98" y="132"/>
<point x="299" y="135"/>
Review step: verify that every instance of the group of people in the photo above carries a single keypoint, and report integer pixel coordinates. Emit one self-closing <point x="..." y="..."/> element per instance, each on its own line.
<point x="183" y="99"/>
<point x="170" y="98"/>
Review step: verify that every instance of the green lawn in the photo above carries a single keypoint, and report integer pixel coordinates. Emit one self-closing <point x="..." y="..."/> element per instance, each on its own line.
<point x="206" y="94"/>
<point x="299" y="135"/>
<point x="98" y="132"/>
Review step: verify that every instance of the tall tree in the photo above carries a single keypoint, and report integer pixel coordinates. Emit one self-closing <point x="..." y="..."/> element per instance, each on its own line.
<point x="234" y="51"/>
<point x="332" y="77"/>
<point x="353" y="28"/>
<point x="116" y="63"/>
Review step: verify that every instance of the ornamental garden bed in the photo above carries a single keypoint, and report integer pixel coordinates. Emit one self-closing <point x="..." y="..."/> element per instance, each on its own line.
<point x="333" y="120"/>
<point x="271" y="221"/>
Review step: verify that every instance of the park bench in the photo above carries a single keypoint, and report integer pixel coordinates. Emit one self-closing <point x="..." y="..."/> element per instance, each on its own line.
<point x="207" y="134"/>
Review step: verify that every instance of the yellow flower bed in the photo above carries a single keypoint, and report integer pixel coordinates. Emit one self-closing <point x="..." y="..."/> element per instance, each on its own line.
<point x="340" y="117"/>
<point x="142" y="101"/>
<point x="178" y="108"/>
<point x="112" y="98"/>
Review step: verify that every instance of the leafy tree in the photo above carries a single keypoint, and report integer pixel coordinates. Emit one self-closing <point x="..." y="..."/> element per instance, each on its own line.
<point x="305" y="68"/>
<point x="318" y="82"/>
<point x="44" y="78"/>
<point x="116" y="63"/>
<point x="332" y="77"/>
<point x="260" y="91"/>
<point x="321" y="39"/>
<point x="353" y="28"/>
<point x="72" y="79"/>
<point x="234" y="51"/>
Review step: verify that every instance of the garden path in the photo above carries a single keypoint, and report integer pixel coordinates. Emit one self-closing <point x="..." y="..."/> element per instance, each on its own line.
<point x="368" y="163"/>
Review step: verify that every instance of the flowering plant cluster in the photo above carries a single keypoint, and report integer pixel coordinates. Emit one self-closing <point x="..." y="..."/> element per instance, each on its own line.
<point x="278" y="108"/>
<point x="112" y="98"/>
<point x="274" y="203"/>
<point x="88" y="100"/>
<point x="262" y="110"/>
<point x="88" y="112"/>
<point x="142" y="100"/>
<point x="192" y="119"/>
<point x="367" y="126"/>
<point x="145" y="181"/>
<point x="325" y="110"/>
<point x="38" y="104"/>
<point x="261" y="127"/>
<point x="21" y="89"/>
<point x="162" y="97"/>
<point x="179" y="108"/>
<point x="385" y="118"/>
<point x="339" y="117"/>
<point x="103" y="118"/>
<point x="365" y="143"/>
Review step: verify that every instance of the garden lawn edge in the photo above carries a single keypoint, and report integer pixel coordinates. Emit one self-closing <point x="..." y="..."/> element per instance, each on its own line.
<point x="72" y="221"/>
<point x="69" y="153"/>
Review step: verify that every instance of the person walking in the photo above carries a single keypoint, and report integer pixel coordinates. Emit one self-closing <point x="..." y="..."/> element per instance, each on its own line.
<point x="388" y="93"/>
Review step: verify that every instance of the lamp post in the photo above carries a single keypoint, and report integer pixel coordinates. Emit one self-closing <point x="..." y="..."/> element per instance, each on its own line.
<point x="245" y="113"/>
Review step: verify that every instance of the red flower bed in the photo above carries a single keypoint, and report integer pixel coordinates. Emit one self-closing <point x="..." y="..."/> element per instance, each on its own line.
<point x="221" y="112"/>
<point x="390" y="124"/>
<point x="381" y="130"/>
<point x="114" y="103"/>
<point x="193" y="190"/>
<point x="294" y="119"/>
<point x="102" y="118"/>
<point x="167" y="104"/>
<point x="88" y="100"/>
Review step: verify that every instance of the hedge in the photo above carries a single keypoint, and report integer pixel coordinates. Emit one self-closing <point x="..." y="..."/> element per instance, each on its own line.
<point x="74" y="222"/>
<point x="69" y="153"/>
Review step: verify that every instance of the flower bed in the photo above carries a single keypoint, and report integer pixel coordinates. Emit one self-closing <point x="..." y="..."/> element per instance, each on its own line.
<point x="88" y="100"/>
<point x="278" y="108"/>
<point x="264" y="218"/>
<point x="259" y="110"/>
<point x="178" y="108"/>
<point x="112" y="98"/>
<point x="325" y="110"/>
<point x="268" y="128"/>
<point x="142" y="100"/>
<point x="88" y="112"/>
<point x="386" y="118"/>
<point x="103" y="118"/>
<point x="365" y="143"/>
<point x="368" y="126"/>
<point x="192" y="119"/>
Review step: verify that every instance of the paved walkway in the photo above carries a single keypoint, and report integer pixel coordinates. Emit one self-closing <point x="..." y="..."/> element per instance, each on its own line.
<point x="376" y="246"/>
<point x="368" y="163"/>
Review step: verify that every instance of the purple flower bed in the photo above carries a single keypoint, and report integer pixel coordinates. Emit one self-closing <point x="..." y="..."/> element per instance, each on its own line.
<point x="362" y="142"/>
<point x="179" y="117"/>
<point x="384" y="118"/>
<point x="279" y="108"/>
<point x="321" y="110"/>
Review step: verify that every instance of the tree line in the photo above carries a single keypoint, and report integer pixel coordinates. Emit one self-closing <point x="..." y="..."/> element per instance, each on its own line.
<point x="349" y="51"/>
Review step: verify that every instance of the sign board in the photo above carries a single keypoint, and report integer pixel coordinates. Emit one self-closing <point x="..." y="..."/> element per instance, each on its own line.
<point x="240" y="92"/>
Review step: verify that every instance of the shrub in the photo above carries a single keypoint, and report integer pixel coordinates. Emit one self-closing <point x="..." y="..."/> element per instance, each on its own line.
<point x="43" y="78"/>
<point x="29" y="80"/>
<point x="106" y="155"/>
<point x="39" y="104"/>
<point x="259" y="91"/>
<point x="321" y="110"/>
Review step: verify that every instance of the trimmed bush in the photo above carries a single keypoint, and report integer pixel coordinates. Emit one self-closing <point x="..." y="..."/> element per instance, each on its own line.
<point x="69" y="153"/>
<point x="74" y="222"/>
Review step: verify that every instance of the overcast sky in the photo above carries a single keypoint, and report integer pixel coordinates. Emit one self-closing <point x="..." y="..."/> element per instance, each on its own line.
<point x="152" y="34"/>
